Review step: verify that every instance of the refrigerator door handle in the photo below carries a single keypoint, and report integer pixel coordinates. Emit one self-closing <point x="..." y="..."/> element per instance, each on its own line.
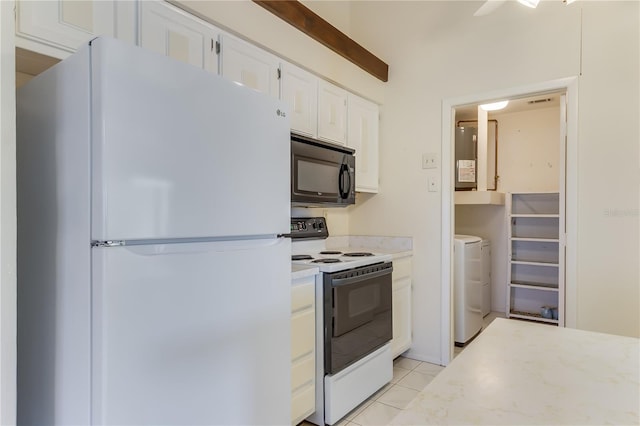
<point x="160" y="248"/>
<point x="108" y="243"/>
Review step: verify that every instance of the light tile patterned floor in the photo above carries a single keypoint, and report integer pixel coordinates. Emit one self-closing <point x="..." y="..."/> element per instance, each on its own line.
<point x="409" y="378"/>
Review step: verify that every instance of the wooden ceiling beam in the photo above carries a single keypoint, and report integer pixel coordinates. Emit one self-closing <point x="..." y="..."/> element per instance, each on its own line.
<point x="302" y="18"/>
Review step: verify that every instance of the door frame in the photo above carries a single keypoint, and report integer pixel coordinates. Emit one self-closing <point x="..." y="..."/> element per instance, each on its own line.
<point x="570" y="86"/>
<point x="8" y="307"/>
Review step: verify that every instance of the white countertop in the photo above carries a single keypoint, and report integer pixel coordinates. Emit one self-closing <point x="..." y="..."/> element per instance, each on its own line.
<point x="521" y="373"/>
<point x="302" y="271"/>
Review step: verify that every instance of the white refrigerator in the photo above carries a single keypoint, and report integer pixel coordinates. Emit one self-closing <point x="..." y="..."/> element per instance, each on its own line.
<point x="153" y="281"/>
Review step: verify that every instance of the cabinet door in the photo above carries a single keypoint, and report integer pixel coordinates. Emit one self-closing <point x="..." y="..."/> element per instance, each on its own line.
<point x="57" y="28"/>
<point x="299" y="89"/>
<point x="363" y="137"/>
<point x="303" y="341"/>
<point x="401" y="319"/>
<point x="332" y="113"/>
<point x="249" y="65"/>
<point x="401" y="306"/>
<point x="172" y="32"/>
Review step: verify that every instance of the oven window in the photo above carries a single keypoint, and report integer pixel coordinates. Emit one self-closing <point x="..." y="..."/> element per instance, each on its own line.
<point x="317" y="177"/>
<point x="363" y="301"/>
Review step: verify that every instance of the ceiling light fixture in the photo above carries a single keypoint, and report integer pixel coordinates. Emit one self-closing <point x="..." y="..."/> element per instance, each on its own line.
<point x="529" y="3"/>
<point x="568" y="1"/>
<point x="495" y="106"/>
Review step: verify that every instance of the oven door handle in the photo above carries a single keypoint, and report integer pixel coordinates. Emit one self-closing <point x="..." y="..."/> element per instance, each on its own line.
<point x="346" y="281"/>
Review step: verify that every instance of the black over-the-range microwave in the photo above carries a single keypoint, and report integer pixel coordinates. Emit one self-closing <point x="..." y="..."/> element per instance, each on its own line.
<point x="322" y="174"/>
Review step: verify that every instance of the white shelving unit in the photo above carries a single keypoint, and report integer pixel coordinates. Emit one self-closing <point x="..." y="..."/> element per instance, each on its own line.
<point x="536" y="255"/>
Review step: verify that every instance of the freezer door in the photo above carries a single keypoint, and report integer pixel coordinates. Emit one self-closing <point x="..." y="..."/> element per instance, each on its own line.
<point x="192" y="334"/>
<point x="178" y="152"/>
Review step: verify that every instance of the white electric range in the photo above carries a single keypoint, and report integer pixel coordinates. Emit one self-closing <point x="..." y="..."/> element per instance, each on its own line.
<point x="353" y="320"/>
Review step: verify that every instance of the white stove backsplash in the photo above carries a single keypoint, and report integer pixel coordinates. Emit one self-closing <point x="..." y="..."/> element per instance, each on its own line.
<point x="353" y="242"/>
<point x="307" y="247"/>
<point x="373" y="243"/>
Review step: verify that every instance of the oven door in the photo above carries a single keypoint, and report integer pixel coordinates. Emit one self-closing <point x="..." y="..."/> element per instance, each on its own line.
<point x="357" y="312"/>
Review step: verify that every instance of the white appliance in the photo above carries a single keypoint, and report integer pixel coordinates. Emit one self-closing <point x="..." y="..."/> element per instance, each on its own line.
<point x="138" y="181"/>
<point x="485" y="254"/>
<point x="353" y="322"/>
<point x="467" y="288"/>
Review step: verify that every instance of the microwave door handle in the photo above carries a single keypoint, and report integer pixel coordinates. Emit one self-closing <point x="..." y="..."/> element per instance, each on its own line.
<point x="344" y="170"/>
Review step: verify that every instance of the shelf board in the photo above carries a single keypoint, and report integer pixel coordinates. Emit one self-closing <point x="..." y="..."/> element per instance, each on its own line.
<point x="524" y="262"/>
<point x="534" y="192"/>
<point x="535" y="215"/>
<point x="535" y="286"/>
<point x="479" y="197"/>
<point x="536" y="240"/>
<point x="531" y="316"/>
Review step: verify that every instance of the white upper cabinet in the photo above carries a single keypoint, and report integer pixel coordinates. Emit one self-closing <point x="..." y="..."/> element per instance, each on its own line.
<point x="332" y="113"/>
<point x="363" y="137"/>
<point x="299" y="89"/>
<point x="250" y="66"/>
<point x="57" y="28"/>
<point x="172" y="32"/>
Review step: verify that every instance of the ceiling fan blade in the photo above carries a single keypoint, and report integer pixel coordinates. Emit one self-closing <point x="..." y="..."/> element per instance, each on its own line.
<point x="488" y="7"/>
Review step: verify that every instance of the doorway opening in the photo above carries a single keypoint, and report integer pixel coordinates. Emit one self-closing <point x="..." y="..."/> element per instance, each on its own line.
<point x="482" y="209"/>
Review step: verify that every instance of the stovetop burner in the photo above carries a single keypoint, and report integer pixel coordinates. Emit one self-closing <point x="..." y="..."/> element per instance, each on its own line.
<point x="301" y="257"/>
<point x="330" y="252"/>
<point x="329" y="260"/>
<point x="358" y="254"/>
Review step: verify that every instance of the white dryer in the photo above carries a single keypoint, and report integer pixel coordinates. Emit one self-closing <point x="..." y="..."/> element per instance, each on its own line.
<point x="467" y="288"/>
<point x="485" y="254"/>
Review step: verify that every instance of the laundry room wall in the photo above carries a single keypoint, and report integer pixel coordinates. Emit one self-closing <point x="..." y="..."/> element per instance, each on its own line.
<point x="529" y="150"/>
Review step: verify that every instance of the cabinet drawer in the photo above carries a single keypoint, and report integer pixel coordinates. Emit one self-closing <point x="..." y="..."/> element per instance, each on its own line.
<point x="303" y="338"/>
<point x="302" y="297"/>
<point x="303" y="372"/>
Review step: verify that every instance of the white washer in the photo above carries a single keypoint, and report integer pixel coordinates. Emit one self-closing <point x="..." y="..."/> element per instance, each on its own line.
<point x="467" y="276"/>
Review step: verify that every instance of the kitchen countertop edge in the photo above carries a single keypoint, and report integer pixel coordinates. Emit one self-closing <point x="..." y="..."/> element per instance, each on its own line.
<point x="303" y="271"/>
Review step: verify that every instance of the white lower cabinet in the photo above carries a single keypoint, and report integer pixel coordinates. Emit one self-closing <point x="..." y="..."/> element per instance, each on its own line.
<point x="303" y="353"/>
<point x="401" y="298"/>
<point x="57" y="28"/>
<point x="172" y="32"/>
<point x="362" y="135"/>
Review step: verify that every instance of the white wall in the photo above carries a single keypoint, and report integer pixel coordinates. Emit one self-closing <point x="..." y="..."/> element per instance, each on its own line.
<point x="7" y="217"/>
<point x="529" y="150"/>
<point x="437" y="50"/>
<point x="608" y="175"/>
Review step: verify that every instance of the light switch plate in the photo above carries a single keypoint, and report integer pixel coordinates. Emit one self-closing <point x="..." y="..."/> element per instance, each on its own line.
<point x="430" y="160"/>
